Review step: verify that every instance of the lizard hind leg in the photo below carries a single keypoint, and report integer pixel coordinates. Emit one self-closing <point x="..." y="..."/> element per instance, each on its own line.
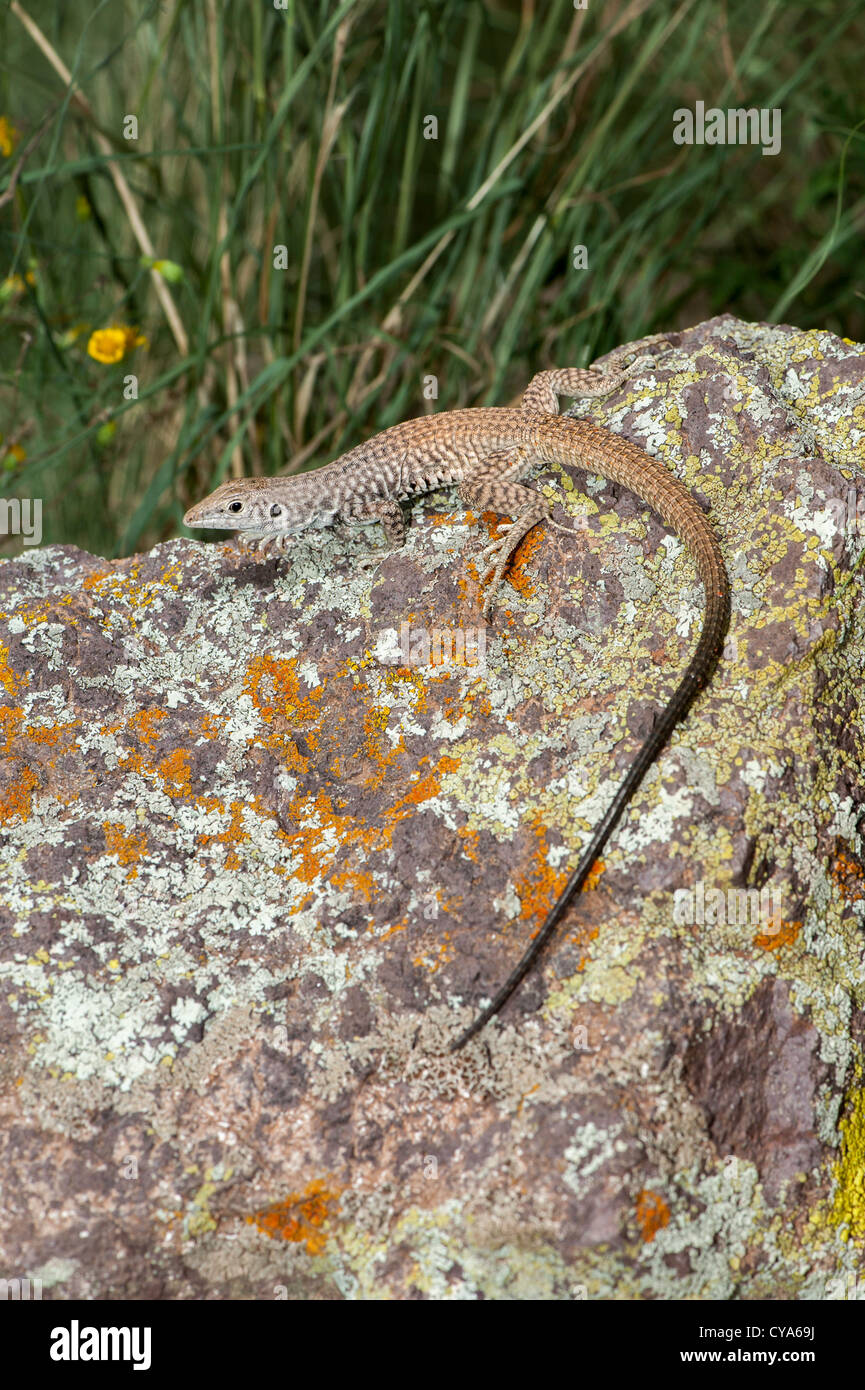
<point x="543" y="391"/>
<point x="485" y="490"/>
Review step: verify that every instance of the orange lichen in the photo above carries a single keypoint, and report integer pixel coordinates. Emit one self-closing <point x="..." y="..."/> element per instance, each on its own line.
<point x="48" y="734"/>
<point x="361" y="880"/>
<point x="391" y="930"/>
<point x="129" y="591"/>
<point x="470" y="838"/>
<point x="441" y="954"/>
<point x="275" y="690"/>
<point x="594" y="876"/>
<point x="11" y="721"/>
<point x="408" y="679"/>
<point x="523" y="556"/>
<point x="145" y="721"/>
<point x="471" y="703"/>
<point x="235" y="833"/>
<point x="314" y="817"/>
<point x="375" y="745"/>
<point x="848" y="876"/>
<point x="778" y="934"/>
<point x="426" y="787"/>
<point x="538" y="888"/>
<point x="17" y="800"/>
<point x="540" y="885"/>
<point x="20" y="740"/>
<point x="31" y="615"/>
<point x="317" y="832"/>
<point x="652" y="1214"/>
<point x="128" y="845"/>
<point x="133" y="762"/>
<point x="176" y="773"/>
<point x="301" y="1218"/>
<point x="9" y="678"/>
<point x="91" y="580"/>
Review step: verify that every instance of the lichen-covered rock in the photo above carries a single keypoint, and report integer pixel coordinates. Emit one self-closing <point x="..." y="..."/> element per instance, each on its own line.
<point x="264" y="849"/>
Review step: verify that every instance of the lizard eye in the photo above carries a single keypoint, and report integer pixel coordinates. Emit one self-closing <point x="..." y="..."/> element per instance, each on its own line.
<point x="235" y="506"/>
<point x="276" y="510"/>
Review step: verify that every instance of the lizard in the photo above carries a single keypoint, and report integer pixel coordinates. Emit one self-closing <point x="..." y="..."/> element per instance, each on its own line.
<point x="487" y="451"/>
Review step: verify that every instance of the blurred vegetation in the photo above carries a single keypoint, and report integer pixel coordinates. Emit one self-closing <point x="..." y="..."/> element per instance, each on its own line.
<point x="405" y="256"/>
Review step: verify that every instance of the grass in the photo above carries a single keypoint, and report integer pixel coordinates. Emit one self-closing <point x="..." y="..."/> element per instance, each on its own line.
<point x="417" y="272"/>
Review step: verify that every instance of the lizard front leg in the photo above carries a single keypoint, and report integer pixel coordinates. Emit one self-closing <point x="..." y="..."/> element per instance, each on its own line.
<point x="387" y="513"/>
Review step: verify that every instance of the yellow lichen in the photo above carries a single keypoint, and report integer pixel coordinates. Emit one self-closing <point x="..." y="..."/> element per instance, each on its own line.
<point x="849" y="1206"/>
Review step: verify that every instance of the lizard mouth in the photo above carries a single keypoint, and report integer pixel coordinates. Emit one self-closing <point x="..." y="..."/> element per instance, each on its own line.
<point x="223" y="522"/>
<point x="194" y="520"/>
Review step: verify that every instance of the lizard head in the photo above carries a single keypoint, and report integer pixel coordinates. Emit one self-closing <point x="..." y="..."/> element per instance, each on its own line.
<point x="269" y="506"/>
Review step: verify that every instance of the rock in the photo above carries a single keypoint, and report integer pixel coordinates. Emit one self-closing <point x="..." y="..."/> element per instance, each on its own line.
<point x="258" y="867"/>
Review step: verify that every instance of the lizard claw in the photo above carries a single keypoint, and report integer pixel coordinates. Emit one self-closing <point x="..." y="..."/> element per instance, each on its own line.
<point x="500" y="551"/>
<point x="639" y="364"/>
<point x="495" y="546"/>
<point x="492" y="577"/>
<point x="273" y="539"/>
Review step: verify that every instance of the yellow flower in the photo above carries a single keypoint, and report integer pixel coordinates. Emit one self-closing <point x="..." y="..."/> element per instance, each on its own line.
<point x="107" y="345"/>
<point x="8" y="137"/>
<point x="111" y="345"/>
<point x="14" y="456"/>
<point x="14" y="285"/>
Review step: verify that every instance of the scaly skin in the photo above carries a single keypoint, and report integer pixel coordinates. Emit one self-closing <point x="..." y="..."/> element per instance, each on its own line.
<point x="487" y="451"/>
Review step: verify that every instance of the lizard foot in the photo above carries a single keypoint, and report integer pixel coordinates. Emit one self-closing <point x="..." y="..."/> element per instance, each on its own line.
<point x="370" y="561"/>
<point x="501" y="550"/>
<point x="493" y="575"/>
<point x="495" y="546"/>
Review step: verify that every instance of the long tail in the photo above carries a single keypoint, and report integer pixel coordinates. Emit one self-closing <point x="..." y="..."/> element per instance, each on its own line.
<point x="699" y="672"/>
